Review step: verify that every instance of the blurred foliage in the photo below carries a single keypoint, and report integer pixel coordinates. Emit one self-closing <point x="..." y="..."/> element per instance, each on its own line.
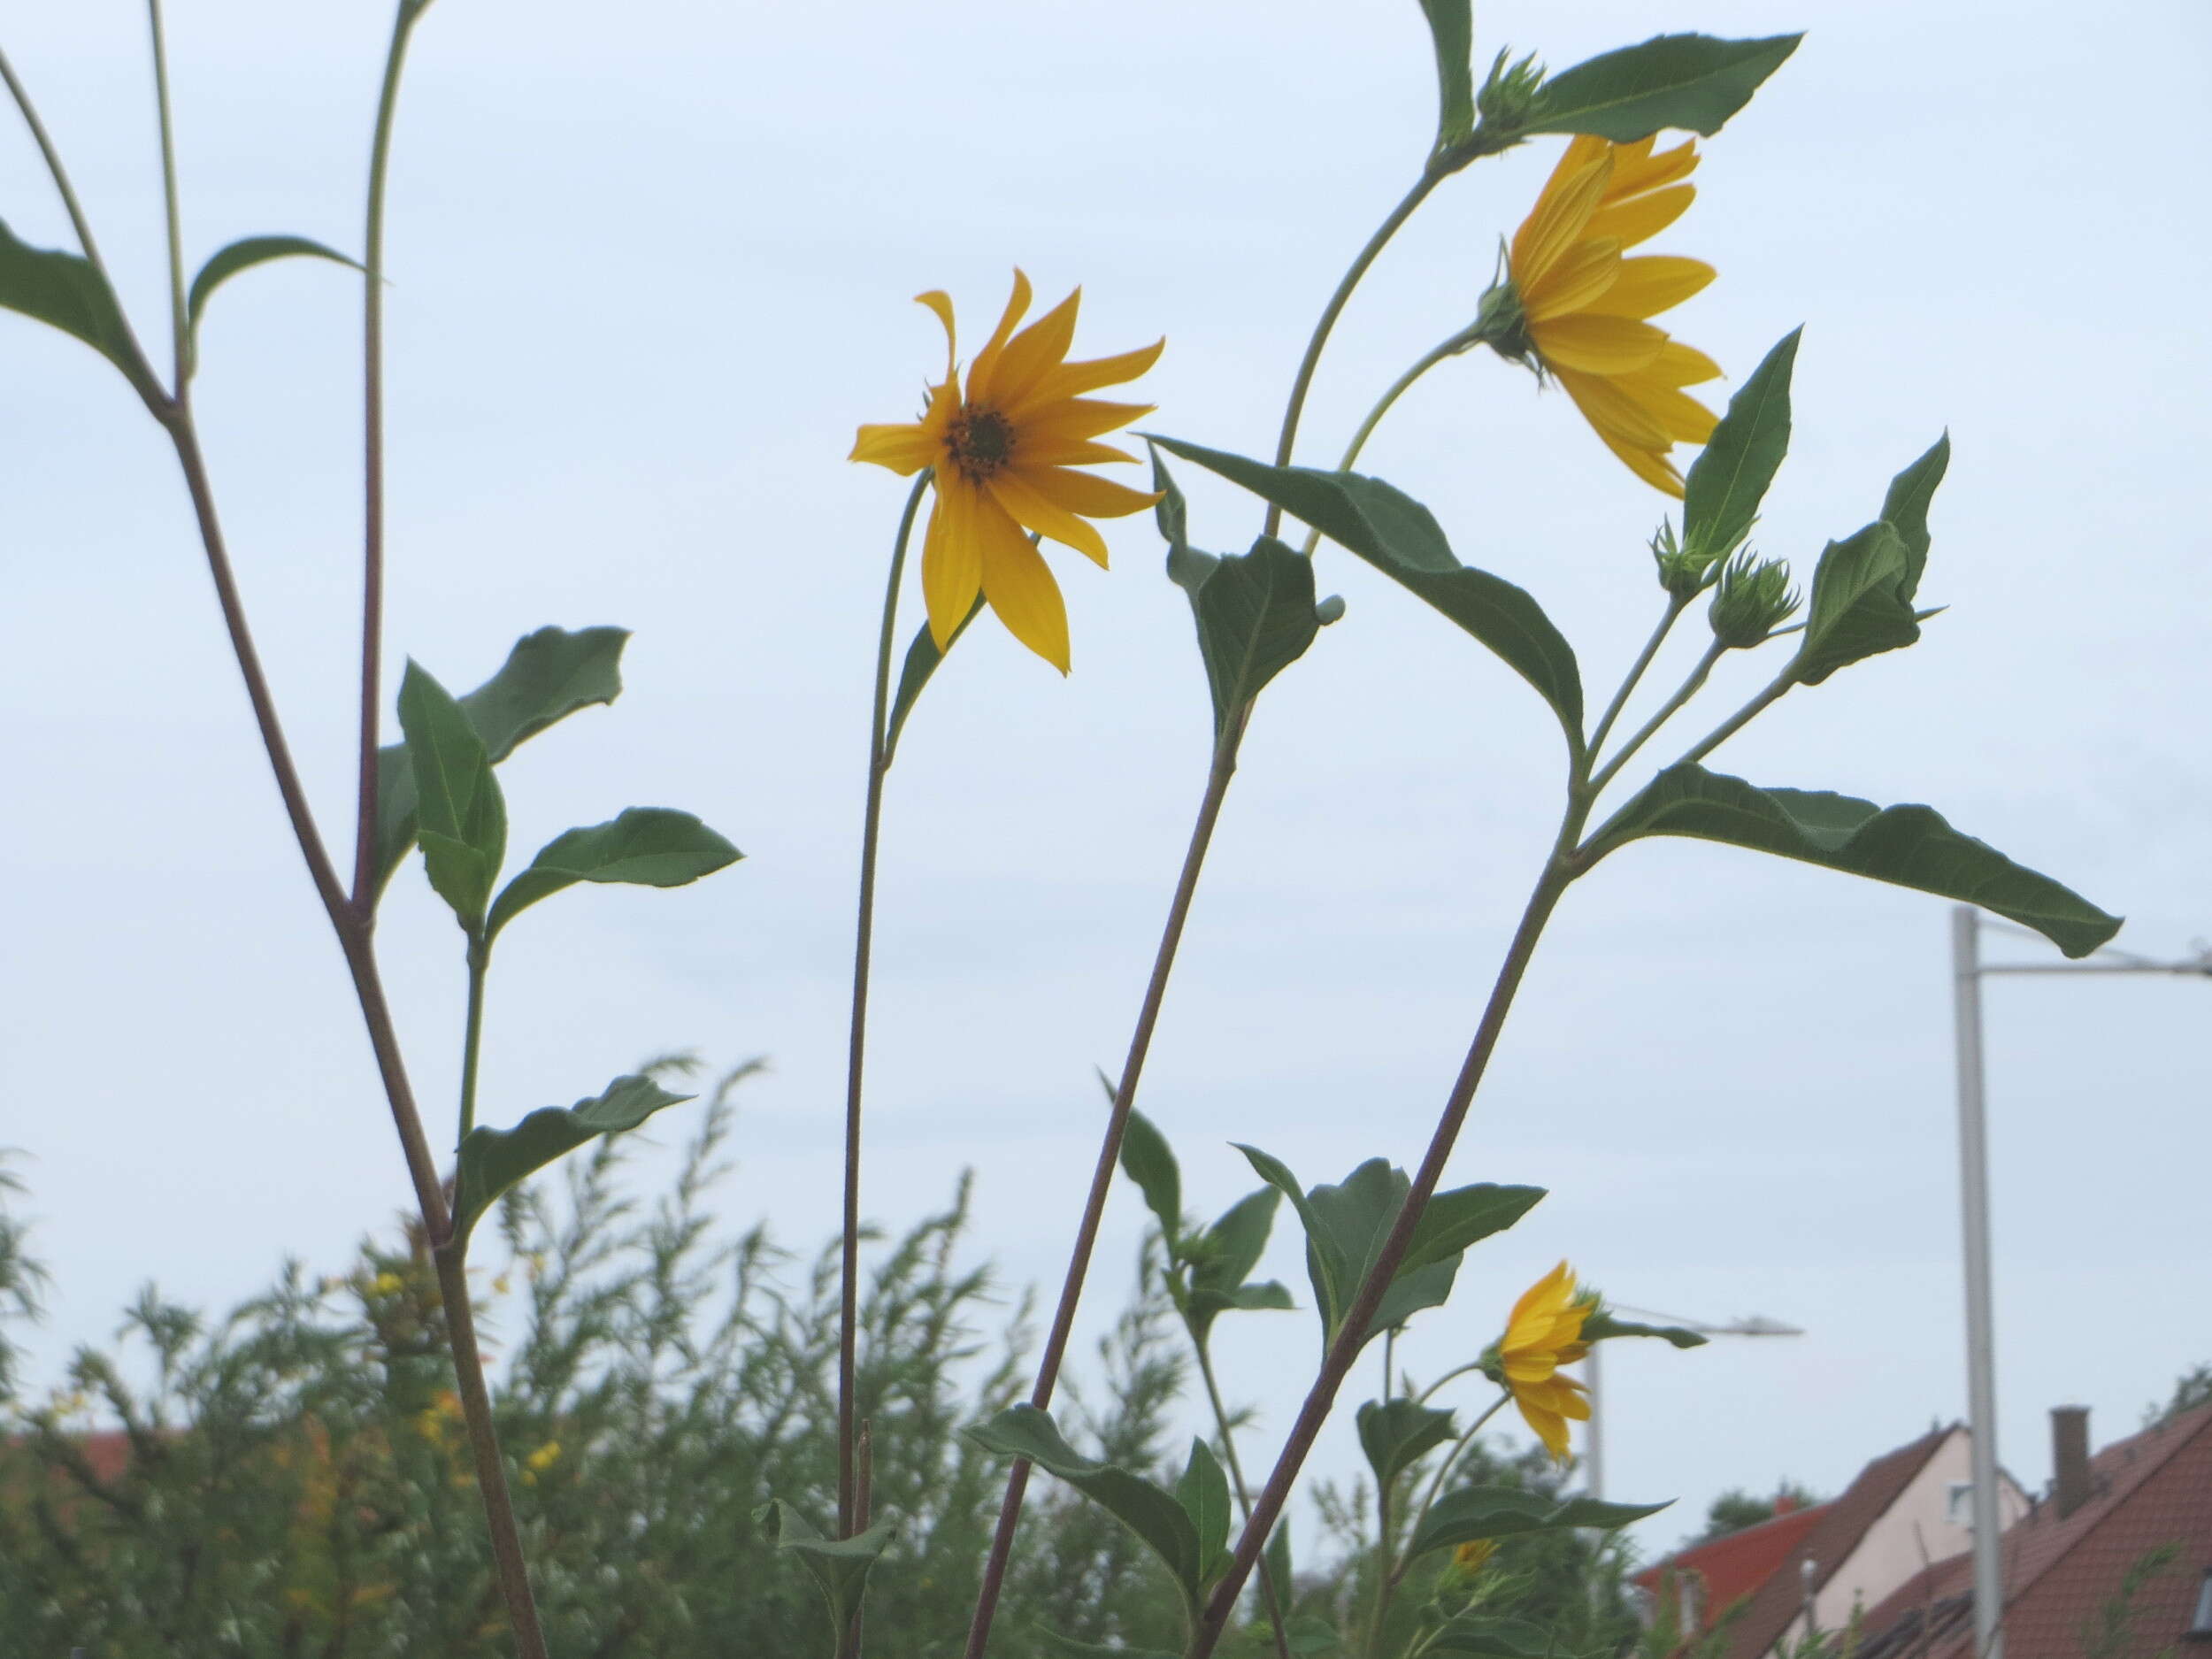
<point x="1735" y="1509"/>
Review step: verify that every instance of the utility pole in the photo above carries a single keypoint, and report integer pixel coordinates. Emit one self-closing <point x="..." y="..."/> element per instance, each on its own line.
<point x="1593" y="1440"/>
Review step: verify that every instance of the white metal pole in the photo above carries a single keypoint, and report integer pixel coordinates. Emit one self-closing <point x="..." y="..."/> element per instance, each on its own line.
<point x="1595" y="1438"/>
<point x="1981" y="1371"/>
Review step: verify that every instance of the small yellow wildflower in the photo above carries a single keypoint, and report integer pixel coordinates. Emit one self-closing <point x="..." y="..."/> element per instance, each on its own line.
<point x="1584" y="312"/>
<point x="1474" y="1556"/>
<point x="545" y="1456"/>
<point x="1545" y="1333"/>
<point x="1003" y="455"/>
<point x="386" y="1283"/>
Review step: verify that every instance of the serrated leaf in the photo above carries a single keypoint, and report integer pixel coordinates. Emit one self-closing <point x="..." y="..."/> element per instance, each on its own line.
<point x="1154" y="1515"/>
<point x="1693" y="82"/>
<point x="1452" y="33"/>
<point x="1905" y="510"/>
<point x="493" y="1160"/>
<point x="1148" y="1159"/>
<point x="1465" y="1216"/>
<point x="1400" y="538"/>
<point x="1730" y="477"/>
<point x="548" y="676"/>
<point x="1859" y="607"/>
<point x="67" y="291"/>
<point x="1204" y="1491"/>
<point x="243" y="255"/>
<point x="922" y="660"/>
<point x="647" y="846"/>
<point x="1470" y="1513"/>
<point x="463" y="815"/>
<point x="1909" y="846"/>
<point x="1397" y="1434"/>
<point x="1603" y="1326"/>
<point x="839" y="1566"/>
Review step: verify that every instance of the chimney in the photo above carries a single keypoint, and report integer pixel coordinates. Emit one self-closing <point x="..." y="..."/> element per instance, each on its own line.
<point x="2070" y="1457"/>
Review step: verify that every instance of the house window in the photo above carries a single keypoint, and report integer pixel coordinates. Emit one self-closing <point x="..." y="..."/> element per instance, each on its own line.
<point x="1959" y="1503"/>
<point x="2201" y="1621"/>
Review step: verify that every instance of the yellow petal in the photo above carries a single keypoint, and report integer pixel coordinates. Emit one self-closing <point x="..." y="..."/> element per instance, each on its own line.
<point x="905" y="449"/>
<point x="1080" y="492"/>
<point x="1677" y="364"/>
<point x="1613" y="413"/>
<point x="952" y="559"/>
<point x="1020" y="588"/>
<point x="1582" y="277"/>
<point x="940" y="302"/>
<point x="1030" y="354"/>
<point x="1638" y="174"/>
<point x="1654" y="283"/>
<point x="1550" y="1427"/>
<point x="1650" y="466"/>
<point x="1070" y="379"/>
<point x="1032" y="512"/>
<point x="1595" y="345"/>
<point x="986" y="359"/>
<point x="1682" y="418"/>
<point x="1642" y="218"/>
<point x="1044" y="452"/>
<point x="1557" y="221"/>
<point x="1075" y="418"/>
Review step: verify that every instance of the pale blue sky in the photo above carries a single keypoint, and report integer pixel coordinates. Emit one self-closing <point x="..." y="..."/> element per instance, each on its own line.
<point x="649" y="272"/>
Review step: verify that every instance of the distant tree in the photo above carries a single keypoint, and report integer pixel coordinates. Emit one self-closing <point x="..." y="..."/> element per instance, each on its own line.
<point x="1735" y="1509"/>
<point x="2192" y="1388"/>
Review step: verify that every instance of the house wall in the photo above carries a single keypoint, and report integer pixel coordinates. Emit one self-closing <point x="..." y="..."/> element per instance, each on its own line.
<point x="1913" y="1532"/>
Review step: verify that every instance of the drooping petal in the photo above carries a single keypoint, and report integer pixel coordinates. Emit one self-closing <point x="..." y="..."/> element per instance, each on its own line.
<point x="1657" y="283"/>
<point x="1580" y="277"/>
<point x="1643" y="218"/>
<point x="1032" y="512"/>
<point x="1082" y="492"/>
<point x="1677" y="364"/>
<point x="952" y="559"/>
<point x="1071" y="379"/>
<point x="1651" y="465"/>
<point x="1681" y="416"/>
<point x="1031" y="354"/>
<point x="1613" y="413"/>
<point x="1020" y="588"/>
<point x="979" y="372"/>
<point x="905" y="449"/>
<point x="941" y="303"/>
<point x="1560" y="218"/>
<point x="1595" y="345"/>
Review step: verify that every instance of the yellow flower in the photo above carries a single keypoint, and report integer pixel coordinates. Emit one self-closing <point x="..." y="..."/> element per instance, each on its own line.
<point x="1472" y="1556"/>
<point x="545" y="1456"/>
<point x="1544" y="1334"/>
<point x="386" y="1283"/>
<point x="1584" y="310"/>
<point x="1003" y="456"/>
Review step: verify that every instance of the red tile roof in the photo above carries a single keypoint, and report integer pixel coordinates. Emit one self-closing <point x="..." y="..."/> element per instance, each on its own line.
<point x="1731" y="1568"/>
<point x="2149" y="1489"/>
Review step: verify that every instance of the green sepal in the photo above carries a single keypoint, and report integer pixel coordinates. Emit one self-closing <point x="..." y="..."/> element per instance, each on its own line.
<point x="243" y="255"/>
<point x="1204" y="1491"/>
<point x="462" y="816"/>
<point x="1859" y="607"/>
<point x="1452" y="33"/>
<point x="1148" y="1159"/>
<point x="1908" y="846"/>
<point x="1400" y="538"/>
<point x="1471" y="1513"/>
<point x="1729" y="478"/>
<point x="1603" y="1327"/>
<point x="1693" y="82"/>
<point x="548" y="676"/>
<point x="922" y="658"/>
<point x="1397" y="1434"/>
<point x="647" y="846"/>
<point x="493" y="1160"/>
<point x="1489" y="1636"/>
<point x="67" y="291"/>
<point x="1156" y="1519"/>
<point x="839" y="1566"/>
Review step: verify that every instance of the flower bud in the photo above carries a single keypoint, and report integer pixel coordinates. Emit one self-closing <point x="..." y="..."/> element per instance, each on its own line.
<point x="1684" y="573"/>
<point x="1508" y="92"/>
<point x="1754" y="596"/>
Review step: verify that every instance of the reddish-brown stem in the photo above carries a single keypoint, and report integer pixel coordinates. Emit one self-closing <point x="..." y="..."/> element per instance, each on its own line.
<point x="1338" y="1363"/>
<point x="1224" y="766"/>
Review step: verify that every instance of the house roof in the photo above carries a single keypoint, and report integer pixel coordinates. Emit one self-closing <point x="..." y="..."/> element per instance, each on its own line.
<point x="1734" y="1567"/>
<point x="2145" y="1491"/>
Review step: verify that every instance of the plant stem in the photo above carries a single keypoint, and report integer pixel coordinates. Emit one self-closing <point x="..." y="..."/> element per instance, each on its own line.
<point x="181" y="338"/>
<point x="372" y="469"/>
<point x="1236" y="1482"/>
<point x="1451" y="347"/>
<point x="1676" y="606"/>
<point x="473" y="1034"/>
<point x="1444" y="1472"/>
<point x="1289" y="438"/>
<point x="1383" y="1582"/>
<point x="1558" y="872"/>
<point x="1217" y="780"/>
<point x="1668" y="710"/>
<point x="863" y="940"/>
<point x="1742" y="718"/>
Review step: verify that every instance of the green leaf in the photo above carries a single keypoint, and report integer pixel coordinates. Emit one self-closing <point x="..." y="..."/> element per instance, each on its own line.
<point x="548" y="676"/>
<point x="1148" y="1159"/>
<point x="647" y="846"/>
<point x="1691" y="81"/>
<point x="1226" y="1252"/>
<point x="493" y="1160"/>
<point x="1603" y="1326"/>
<point x="1204" y="1491"/>
<point x="1157" y="1519"/>
<point x="1905" y="510"/>
<point x="67" y="291"/>
<point x="243" y="256"/>
<point x="1309" y="1636"/>
<point x="1397" y="1434"/>
<point x="839" y="1566"/>
<point x="1400" y="537"/>
<point x="1491" y="1637"/>
<point x="1910" y="846"/>
<point x="464" y="818"/>
<point x="1256" y="615"/>
<point x="1470" y="1513"/>
<point x="1730" y="477"/>
<point x="1859" y="607"/>
<point x="1452" y="32"/>
<point x="922" y="657"/>
<point x="1281" y="1580"/>
<point x="1464" y="1215"/>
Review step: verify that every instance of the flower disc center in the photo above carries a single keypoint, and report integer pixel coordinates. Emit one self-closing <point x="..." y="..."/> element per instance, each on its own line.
<point x="981" y="441"/>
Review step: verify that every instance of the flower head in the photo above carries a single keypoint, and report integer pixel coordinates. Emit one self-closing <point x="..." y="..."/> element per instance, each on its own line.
<point x="1003" y="453"/>
<point x="1545" y="1333"/>
<point x="1573" y="308"/>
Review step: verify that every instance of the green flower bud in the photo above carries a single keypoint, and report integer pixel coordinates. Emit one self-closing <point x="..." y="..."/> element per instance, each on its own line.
<point x="1754" y="597"/>
<point x="1508" y="92"/>
<point x="1683" y="571"/>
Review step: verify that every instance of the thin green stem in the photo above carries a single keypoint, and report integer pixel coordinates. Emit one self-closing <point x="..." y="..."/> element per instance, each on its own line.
<point x="1295" y="407"/>
<point x="863" y="939"/>
<point x="181" y="336"/>
<point x="1236" y="1484"/>
<point x="1217" y="780"/>
<point x="1451" y="347"/>
<point x="1676" y="606"/>
<point x="1743" y="717"/>
<point x="1452" y="1375"/>
<point x="1668" y="710"/>
<point x="473" y="1033"/>
<point x="1379" y="1610"/>
<point x="1444" y="1472"/>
